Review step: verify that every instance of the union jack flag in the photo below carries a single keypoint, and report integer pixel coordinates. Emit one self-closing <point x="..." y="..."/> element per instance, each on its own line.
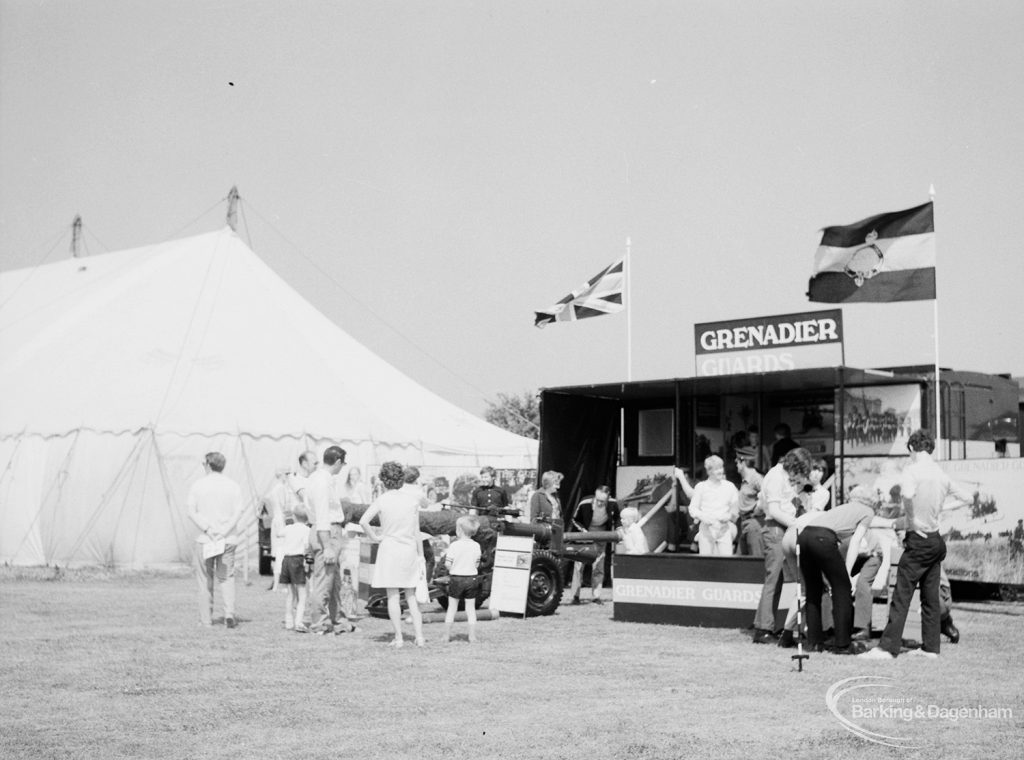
<point x="601" y="294"/>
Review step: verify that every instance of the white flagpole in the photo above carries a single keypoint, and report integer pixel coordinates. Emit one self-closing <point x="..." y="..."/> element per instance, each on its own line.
<point x="935" y="332"/>
<point x="628" y="273"/>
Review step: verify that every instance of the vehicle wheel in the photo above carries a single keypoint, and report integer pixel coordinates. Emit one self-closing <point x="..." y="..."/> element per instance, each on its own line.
<point x="377" y="605"/>
<point x="545" y="590"/>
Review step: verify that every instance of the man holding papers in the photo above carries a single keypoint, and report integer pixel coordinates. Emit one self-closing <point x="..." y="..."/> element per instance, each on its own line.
<point x="215" y="506"/>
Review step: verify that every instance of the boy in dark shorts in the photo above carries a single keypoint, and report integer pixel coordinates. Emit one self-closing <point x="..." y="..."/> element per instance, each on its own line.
<point x="294" y="540"/>
<point x="462" y="560"/>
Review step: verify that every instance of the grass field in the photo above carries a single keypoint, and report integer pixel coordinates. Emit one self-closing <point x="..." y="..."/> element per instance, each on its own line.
<point x="105" y="666"/>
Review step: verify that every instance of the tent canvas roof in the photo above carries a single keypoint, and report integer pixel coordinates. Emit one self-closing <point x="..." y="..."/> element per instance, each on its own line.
<point x="199" y="336"/>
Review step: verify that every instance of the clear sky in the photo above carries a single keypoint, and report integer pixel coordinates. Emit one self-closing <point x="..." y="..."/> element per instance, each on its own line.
<point x="429" y="174"/>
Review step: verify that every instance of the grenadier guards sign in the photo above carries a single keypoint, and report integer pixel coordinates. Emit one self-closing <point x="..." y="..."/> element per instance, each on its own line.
<point x="769" y="344"/>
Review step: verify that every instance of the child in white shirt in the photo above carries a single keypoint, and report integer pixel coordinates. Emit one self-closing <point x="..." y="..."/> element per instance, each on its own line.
<point x="633" y="540"/>
<point x="294" y="540"/>
<point x="462" y="560"/>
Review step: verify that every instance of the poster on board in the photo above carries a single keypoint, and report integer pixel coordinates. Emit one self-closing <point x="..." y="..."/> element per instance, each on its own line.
<point x="643" y="487"/>
<point x="879" y="420"/>
<point x="510" y="583"/>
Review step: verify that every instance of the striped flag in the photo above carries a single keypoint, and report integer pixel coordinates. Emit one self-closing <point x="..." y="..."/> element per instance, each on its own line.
<point x="601" y="294"/>
<point x="889" y="257"/>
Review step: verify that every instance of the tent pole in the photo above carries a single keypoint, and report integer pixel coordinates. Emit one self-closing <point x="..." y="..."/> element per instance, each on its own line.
<point x="627" y="269"/>
<point x="252" y="490"/>
<point x="76" y="236"/>
<point x="233" y="208"/>
<point x="939" y="449"/>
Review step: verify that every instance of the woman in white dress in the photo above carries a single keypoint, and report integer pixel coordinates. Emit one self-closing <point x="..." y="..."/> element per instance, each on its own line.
<point x="400" y="554"/>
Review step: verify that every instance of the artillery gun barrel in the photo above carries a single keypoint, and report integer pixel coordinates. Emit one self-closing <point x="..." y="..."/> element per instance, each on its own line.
<point x="593" y="535"/>
<point x="541" y="531"/>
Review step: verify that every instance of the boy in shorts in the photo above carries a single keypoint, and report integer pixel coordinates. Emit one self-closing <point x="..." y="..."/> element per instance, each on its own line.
<point x="294" y="540"/>
<point x="462" y="560"/>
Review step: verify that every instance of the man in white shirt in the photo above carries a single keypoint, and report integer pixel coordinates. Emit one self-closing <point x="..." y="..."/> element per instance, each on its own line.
<point x="307" y="466"/>
<point x="328" y="516"/>
<point x="924" y="488"/>
<point x="215" y="506"/>
<point x="779" y="492"/>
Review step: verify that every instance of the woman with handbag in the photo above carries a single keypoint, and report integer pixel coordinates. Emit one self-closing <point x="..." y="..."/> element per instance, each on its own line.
<point x="399" y="564"/>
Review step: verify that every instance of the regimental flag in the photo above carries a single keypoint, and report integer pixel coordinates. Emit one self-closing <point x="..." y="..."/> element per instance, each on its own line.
<point x="601" y="294"/>
<point x="889" y="257"/>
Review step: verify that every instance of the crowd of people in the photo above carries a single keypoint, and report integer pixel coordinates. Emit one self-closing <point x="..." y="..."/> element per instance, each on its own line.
<point x="732" y="517"/>
<point x="310" y="516"/>
<point x="841" y="554"/>
<point x="844" y="551"/>
<point x="308" y="519"/>
<point x="844" y="555"/>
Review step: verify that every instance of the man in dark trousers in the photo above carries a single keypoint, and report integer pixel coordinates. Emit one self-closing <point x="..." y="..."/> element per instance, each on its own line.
<point x="819" y="535"/>
<point x="924" y="488"/>
<point x="599" y="512"/>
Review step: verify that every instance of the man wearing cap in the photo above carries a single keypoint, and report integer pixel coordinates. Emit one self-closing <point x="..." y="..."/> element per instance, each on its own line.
<point x="215" y="506"/>
<point x="751" y="517"/>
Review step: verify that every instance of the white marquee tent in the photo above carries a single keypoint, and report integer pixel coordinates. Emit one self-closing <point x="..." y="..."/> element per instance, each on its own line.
<point x="119" y="371"/>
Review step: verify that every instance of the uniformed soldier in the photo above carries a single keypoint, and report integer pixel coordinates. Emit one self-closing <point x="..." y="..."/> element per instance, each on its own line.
<point x="488" y="496"/>
<point x="485" y="499"/>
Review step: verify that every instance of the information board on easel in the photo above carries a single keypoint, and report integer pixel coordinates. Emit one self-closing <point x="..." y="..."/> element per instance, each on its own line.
<point x="511" y="580"/>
